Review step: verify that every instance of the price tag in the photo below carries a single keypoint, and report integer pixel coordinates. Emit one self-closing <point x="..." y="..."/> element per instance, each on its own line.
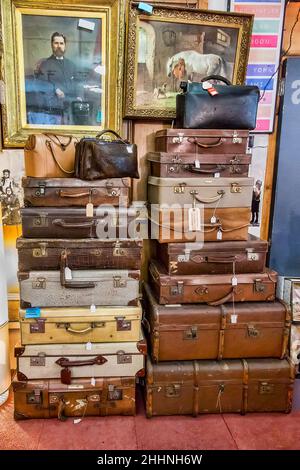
<point x="233" y="318"/>
<point x="89" y="210"/>
<point x="212" y="91"/>
<point x="34" y="312"/>
<point x="76" y="421"/>
<point x="129" y="149"/>
<point x="93" y="308"/>
<point x="213" y="220"/>
<point x="68" y="274"/>
<point x="197" y="164"/>
<point x="194" y="219"/>
<point x="234" y="281"/>
<point x="93" y="381"/>
<point x="219" y="235"/>
<point x="217" y="175"/>
<point x="88" y="346"/>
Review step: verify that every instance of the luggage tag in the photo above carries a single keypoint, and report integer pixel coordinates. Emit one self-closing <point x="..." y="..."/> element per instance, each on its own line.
<point x="33" y="312"/>
<point x="89" y="210"/>
<point x="217" y="175"/>
<point x="194" y="218"/>
<point x="209" y="88"/>
<point x="68" y="274"/>
<point x="234" y="281"/>
<point x="88" y="346"/>
<point x="213" y="220"/>
<point x="93" y="382"/>
<point x="197" y="164"/>
<point x="233" y="318"/>
<point x="93" y="308"/>
<point x="219" y="235"/>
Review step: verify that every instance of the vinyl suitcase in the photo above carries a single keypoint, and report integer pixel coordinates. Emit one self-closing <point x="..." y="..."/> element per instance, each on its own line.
<point x="81" y="325"/>
<point x="65" y="222"/>
<point x="213" y="289"/>
<point x="231" y="386"/>
<point x="73" y="361"/>
<point x="189" y="165"/>
<point x="188" y="332"/>
<point x="52" y="399"/>
<point x="85" y="288"/>
<point x="46" y="254"/>
<point x="210" y="192"/>
<point x="214" y="257"/>
<point x="67" y="192"/>
<point x="208" y="141"/>
<point x="173" y="225"/>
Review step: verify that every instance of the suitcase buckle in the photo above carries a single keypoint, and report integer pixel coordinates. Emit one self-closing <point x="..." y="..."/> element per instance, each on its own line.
<point x="39" y="360"/>
<point x="191" y="333"/>
<point x="40" y="283"/>
<point x="122" y="324"/>
<point x="119" y="282"/>
<point x="177" y="290"/>
<point x="259" y="285"/>
<point x="236" y="139"/>
<point x="235" y="188"/>
<point x="38" y="326"/>
<point x="123" y="358"/>
<point x="252" y="331"/>
<point x="114" y="393"/>
<point x="173" y="391"/>
<point x="34" y="398"/>
<point x="266" y="388"/>
<point x="179" y="189"/>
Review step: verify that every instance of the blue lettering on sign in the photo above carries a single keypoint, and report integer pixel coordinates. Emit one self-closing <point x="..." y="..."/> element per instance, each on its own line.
<point x="260" y="70"/>
<point x="262" y="83"/>
<point x="34" y="312"/>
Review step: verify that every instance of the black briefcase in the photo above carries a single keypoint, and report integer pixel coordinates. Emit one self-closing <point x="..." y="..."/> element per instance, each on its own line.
<point x="229" y="107"/>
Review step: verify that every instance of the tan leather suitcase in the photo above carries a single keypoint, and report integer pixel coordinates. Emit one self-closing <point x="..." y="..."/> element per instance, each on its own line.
<point x="231" y="386"/>
<point x="84" y="397"/>
<point x="186" y="332"/>
<point x="213" y="289"/>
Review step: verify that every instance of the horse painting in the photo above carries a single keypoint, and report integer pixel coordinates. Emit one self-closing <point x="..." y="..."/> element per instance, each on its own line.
<point x="196" y="63"/>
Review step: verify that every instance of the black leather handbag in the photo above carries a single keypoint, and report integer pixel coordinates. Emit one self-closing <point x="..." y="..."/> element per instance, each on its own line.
<point x="233" y="107"/>
<point x="97" y="158"/>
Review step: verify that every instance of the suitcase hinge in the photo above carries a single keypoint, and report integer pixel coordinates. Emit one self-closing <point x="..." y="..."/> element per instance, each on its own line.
<point x="252" y="256"/>
<point x="235" y="188"/>
<point x="40" y="252"/>
<point x="39" y="360"/>
<point x="40" y="283"/>
<point x="266" y="388"/>
<point x="259" y="286"/>
<point x="34" y="398"/>
<point x="173" y="391"/>
<point x="114" y="393"/>
<point x="122" y="324"/>
<point x="236" y="139"/>
<point x="123" y="358"/>
<point x="118" y="251"/>
<point x="41" y="190"/>
<point x="252" y="331"/>
<point x="191" y="333"/>
<point x="119" y="282"/>
<point x="40" y="221"/>
<point x="38" y="326"/>
<point x="177" y="290"/>
<point x="180" y="188"/>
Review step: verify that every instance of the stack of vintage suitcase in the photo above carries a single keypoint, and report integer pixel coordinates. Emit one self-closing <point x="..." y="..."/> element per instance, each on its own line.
<point x="210" y="307"/>
<point x="82" y="344"/>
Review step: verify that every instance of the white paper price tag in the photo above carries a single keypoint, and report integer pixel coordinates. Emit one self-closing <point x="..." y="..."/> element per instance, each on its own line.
<point x="194" y="219"/>
<point x="233" y="318"/>
<point x="206" y="85"/>
<point x="129" y="149"/>
<point x="197" y="164"/>
<point x="234" y="281"/>
<point x="93" y="381"/>
<point x="213" y="220"/>
<point x="89" y="210"/>
<point x="88" y="346"/>
<point x="68" y="274"/>
<point x="93" y="308"/>
<point x="219" y="235"/>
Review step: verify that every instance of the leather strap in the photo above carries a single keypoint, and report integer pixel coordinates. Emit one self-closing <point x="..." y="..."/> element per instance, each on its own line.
<point x="193" y="140"/>
<point x="222" y="259"/>
<point x="63" y="193"/>
<point x="110" y="131"/>
<point x="65" y="362"/>
<point x="196" y="389"/>
<point x="62" y="223"/>
<point x="244" y="407"/>
<point x="226" y="298"/>
<point x="222" y="332"/>
<point x="209" y="200"/>
<point x="49" y="146"/>
<point x="216" y="169"/>
<point x="220" y="78"/>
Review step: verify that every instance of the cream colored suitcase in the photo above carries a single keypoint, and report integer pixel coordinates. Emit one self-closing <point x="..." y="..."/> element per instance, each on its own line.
<point x="211" y="192"/>
<point x="85" y="288"/>
<point x="81" y="325"/>
<point x="295" y="343"/>
<point x="73" y="361"/>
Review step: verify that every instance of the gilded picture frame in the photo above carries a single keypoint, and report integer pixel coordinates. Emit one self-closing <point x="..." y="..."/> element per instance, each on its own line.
<point x="174" y="44"/>
<point x="80" y="93"/>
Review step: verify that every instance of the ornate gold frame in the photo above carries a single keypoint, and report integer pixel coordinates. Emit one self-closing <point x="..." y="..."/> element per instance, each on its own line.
<point x="243" y="22"/>
<point x="14" y="128"/>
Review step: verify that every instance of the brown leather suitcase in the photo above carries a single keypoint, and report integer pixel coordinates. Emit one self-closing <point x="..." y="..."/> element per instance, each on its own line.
<point x="213" y="289"/>
<point x="67" y="192"/>
<point x="189" y="165"/>
<point x="231" y="386"/>
<point x="214" y="257"/>
<point x="43" y="254"/>
<point x="209" y="141"/>
<point x="64" y="222"/>
<point x="84" y="397"/>
<point x="188" y="332"/>
<point x="172" y="225"/>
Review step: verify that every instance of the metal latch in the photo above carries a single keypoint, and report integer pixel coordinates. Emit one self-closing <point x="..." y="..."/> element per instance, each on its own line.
<point x="111" y="191"/>
<point x="236" y="139"/>
<point x="34" y="398"/>
<point x="178" y="139"/>
<point x="123" y="358"/>
<point x="173" y="168"/>
<point x="252" y="331"/>
<point x="122" y="324"/>
<point x="173" y="391"/>
<point x="118" y="251"/>
<point x="53" y="399"/>
<point x="114" y="393"/>
<point x="177" y="290"/>
<point x="39" y="283"/>
<point x="94" y="398"/>
<point x="38" y="326"/>
<point x="119" y="282"/>
<point x="40" y="252"/>
<point x="266" y="388"/>
<point x="259" y="285"/>
<point x="180" y="188"/>
<point x="41" y="190"/>
<point x="40" y="221"/>
<point x="235" y="188"/>
<point x="39" y="360"/>
<point x="184" y="258"/>
<point x="191" y="333"/>
<point x="252" y="256"/>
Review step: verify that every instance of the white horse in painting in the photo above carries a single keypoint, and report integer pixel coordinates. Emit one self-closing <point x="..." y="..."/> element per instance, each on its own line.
<point x="196" y="63"/>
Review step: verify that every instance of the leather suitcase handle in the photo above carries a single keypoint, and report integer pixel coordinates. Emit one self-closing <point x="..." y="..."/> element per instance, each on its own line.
<point x="62" y="223"/>
<point x="65" y="362"/>
<point x="72" y="284"/>
<point x="225" y="259"/>
<point x="84" y="330"/>
<point x="63" y="193"/>
<point x="224" y="299"/>
<point x="210" y="200"/>
<point x="193" y="140"/>
<point x="193" y="169"/>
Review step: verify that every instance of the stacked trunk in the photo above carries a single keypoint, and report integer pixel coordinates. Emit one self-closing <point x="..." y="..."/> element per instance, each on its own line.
<point x="211" y="304"/>
<point x="79" y="275"/>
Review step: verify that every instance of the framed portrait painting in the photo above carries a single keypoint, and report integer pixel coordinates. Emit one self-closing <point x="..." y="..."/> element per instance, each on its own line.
<point x="62" y="67"/>
<point x="176" y="44"/>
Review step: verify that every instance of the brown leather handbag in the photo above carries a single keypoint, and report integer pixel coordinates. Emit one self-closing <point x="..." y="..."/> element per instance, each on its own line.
<point x="50" y="156"/>
<point x="98" y="158"/>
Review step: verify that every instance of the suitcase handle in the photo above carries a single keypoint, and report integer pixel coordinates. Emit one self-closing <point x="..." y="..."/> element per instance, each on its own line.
<point x="209" y="200"/>
<point x="65" y="362"/>
<point x="215" y="259"/>
<point x="223" y="300"/>
<point x="72" y="284"/>
<point x="194" y="169"/>
<point x="62" y="223"/>
<point x="193" y="140"/>
<point x="85" y="330"/>
<point x="63" y="193"/>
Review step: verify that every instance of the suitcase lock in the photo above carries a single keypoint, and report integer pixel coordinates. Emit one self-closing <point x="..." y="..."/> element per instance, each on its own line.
<point x="177" y="290"/>
<point x="119" y="282"/>
<point x="259" y="285"/>
<point x="252" y="331"/>
<point x="235" y="188"/>
<point x="123" y="358"/>
<point x="122" y="324"/>
<point x="38" y="326"/>
<point x="180" y="188"/>
<point x="39" y="360"/>
<point x="252" y="256"/>
<point x="118" y="251"/>
<point x="114" y="393"/>
<point x="236" y="139"/>
<point x="40" y="221"/>
<point x="173" y="391"/>
<point x="266" y="388"/>
<point x="34" y="398"/>
<point x="40" y="252"/>
<point x="191" y="333"/>
<point x="41" y="190"/>
<point x="39" y="283"/>
<point x="178" y="139"/>
<point x="111" y="191"/>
